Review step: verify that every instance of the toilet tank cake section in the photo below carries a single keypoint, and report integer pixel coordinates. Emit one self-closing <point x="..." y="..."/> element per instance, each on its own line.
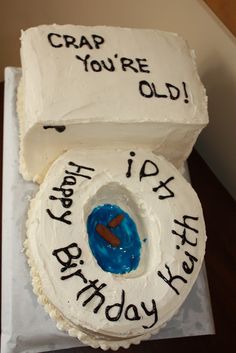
<point x="106" y="86"/>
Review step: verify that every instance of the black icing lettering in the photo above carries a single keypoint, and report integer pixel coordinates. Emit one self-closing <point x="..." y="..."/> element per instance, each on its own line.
<point x="79" y="168"/>
<point x="96" y="66"/>
<point x="130" y="161"/>
<point x="185" y="224"/>
<point x="189" y="269"/>
<point x="171" y="279"/>
<point x="109" y="66"/>
<point x="58" y="128"/>
<point x="143" y="172"/>
<point x="96" y="293"/>
<point x="142" y="65"/>
<point x="153" y="312"/>
<point x="66" y="202"/>
<point x="84" y="41"/>
<point x="157" y="95"/>
<point x="97" y="40"/>
<point x="173" y="91"/>
<point x="163" y="184"/>
<point x="185" y="93"/>
<point x="127" y="63"/>
<point x="131" y="313"/>
<point x="148" y="90"/>
<point x="145" y="89"/>
<point x="53" y="40"/>
<point x="65" y="192"/>
<point x="84" y="61"/>
<point x="70" y="41"/>
<point x="66" y="255"/>
<point x="76" y="273"/>
<point x="61" y="218"/>
<point x="69" y="180"/>
<point x="119" y="307"/>
<point x="186" y="227"/>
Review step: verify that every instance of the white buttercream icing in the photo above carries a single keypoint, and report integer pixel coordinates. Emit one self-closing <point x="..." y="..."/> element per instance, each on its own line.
<point x="136" y="87"/>
<point x="170" y="225"/>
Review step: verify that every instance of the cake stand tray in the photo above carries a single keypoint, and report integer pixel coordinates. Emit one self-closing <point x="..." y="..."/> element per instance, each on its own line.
<point x="26" y="327"/>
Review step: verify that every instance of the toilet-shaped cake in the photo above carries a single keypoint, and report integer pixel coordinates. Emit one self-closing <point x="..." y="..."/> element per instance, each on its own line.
<point x="115" y="235"/>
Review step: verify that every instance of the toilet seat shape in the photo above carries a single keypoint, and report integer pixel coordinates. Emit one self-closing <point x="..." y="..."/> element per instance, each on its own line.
<point x="103" y="307"/>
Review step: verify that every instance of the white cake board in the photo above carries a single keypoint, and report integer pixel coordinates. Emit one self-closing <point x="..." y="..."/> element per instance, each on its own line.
<point x="26" y="328"/>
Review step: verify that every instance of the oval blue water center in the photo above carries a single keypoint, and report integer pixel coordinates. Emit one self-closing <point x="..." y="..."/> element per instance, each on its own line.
<point x="116" y="259"/>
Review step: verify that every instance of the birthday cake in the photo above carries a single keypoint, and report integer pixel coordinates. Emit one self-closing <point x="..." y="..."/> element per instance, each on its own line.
<point x="115" y="235"/>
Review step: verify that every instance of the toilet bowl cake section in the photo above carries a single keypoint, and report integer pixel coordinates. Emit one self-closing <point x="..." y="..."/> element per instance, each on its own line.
<point x="115" y="241"/>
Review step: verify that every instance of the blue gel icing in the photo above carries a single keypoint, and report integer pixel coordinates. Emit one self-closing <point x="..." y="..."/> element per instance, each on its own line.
<point x="120" y="259"/>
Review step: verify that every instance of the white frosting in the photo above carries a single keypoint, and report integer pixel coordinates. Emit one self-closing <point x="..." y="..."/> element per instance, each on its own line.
<point x="107" y="108"/>
<point x="156" y="218"/>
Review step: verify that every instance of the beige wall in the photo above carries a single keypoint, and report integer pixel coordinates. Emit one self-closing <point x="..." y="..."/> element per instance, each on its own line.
<point x="215" y="48"/>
